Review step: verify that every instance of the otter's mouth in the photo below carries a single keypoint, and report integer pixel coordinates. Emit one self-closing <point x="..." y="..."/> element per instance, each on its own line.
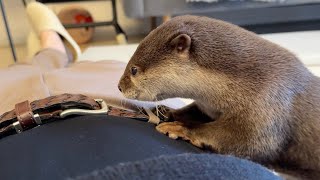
<point x="131" y="94"/>
<point x="143" y="96"/>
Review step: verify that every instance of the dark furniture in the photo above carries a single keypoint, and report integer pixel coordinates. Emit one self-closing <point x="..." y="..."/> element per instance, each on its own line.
<point x="260" y="17"/>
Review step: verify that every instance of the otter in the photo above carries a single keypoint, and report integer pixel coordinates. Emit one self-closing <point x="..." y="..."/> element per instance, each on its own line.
<point x="252" y="98"/>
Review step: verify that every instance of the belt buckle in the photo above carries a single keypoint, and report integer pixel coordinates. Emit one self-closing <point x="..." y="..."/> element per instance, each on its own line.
<point x="104" y="110"/>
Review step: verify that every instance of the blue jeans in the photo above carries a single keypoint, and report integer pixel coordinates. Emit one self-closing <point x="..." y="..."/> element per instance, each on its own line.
<point x="79" y="145"/>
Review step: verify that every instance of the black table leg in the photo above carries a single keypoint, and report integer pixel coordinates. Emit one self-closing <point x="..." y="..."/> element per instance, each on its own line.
<point x="8" y="31"/>
<point x="115" y="19"/>
<point x="24" y="3"/>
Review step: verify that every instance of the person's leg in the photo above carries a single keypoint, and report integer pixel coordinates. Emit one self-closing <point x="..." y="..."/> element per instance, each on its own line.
<point x="51" y="39"/>
<point x="53" y="53"/>
<point x="49" y="33"/>
<point x="42" y="19"/>
<point x="82" y="144"/>
<point x="22" y="82"/>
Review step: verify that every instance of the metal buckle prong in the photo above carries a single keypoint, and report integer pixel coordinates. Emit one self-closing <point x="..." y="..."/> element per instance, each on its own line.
<point x="37" y="119"/>
<point x="104" y="110"/>
<point x="17" y="126"/>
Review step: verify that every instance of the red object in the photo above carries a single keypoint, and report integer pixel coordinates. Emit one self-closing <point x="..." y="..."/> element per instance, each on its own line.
<point x="80" y="18"/>
<point x="77" y="15"/>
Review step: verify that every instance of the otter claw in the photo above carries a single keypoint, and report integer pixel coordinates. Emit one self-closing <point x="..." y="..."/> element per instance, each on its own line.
<point x="173" y="129"/>
<point x="173" y="136"/>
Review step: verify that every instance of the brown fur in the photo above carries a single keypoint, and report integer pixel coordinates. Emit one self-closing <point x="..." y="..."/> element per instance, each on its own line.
<point x="262" y="102"/>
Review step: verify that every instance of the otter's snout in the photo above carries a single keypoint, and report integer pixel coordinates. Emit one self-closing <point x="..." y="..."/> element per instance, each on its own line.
<point x="123" y="83"/>
<point x="119" y="87"/>
<point x="124" y="87"/>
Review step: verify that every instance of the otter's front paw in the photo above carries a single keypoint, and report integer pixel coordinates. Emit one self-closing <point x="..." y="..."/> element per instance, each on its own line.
<point x="173" y="129"/>
<point x="177" y="130"/>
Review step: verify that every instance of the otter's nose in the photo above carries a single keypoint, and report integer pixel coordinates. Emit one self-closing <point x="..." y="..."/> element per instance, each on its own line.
<point x="119" y="88"/>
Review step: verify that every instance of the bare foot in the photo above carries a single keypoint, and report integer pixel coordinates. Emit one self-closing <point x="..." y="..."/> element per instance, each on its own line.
<point x="51" y="39"/>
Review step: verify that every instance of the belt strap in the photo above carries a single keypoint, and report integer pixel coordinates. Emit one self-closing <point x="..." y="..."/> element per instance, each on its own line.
<point x="27" y="115"/>
<point x="47" y="108"/>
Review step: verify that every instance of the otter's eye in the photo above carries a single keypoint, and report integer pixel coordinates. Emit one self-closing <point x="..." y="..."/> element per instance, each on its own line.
<point x="134" y="71"/>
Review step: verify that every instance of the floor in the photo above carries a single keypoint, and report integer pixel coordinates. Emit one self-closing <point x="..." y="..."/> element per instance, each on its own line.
<point x="6" y="56"/>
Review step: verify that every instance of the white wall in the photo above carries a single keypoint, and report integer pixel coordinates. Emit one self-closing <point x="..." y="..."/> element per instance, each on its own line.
<point x="100" y="10"/>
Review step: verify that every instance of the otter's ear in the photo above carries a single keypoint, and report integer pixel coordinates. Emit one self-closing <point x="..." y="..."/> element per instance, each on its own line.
<point x="181" y="43"/>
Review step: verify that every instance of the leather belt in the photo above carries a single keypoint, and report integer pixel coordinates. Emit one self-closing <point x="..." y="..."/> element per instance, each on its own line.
<point x="29" y="115"/>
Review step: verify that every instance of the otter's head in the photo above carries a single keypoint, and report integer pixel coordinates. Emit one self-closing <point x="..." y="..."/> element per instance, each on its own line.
<point x="161" y="61"/>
